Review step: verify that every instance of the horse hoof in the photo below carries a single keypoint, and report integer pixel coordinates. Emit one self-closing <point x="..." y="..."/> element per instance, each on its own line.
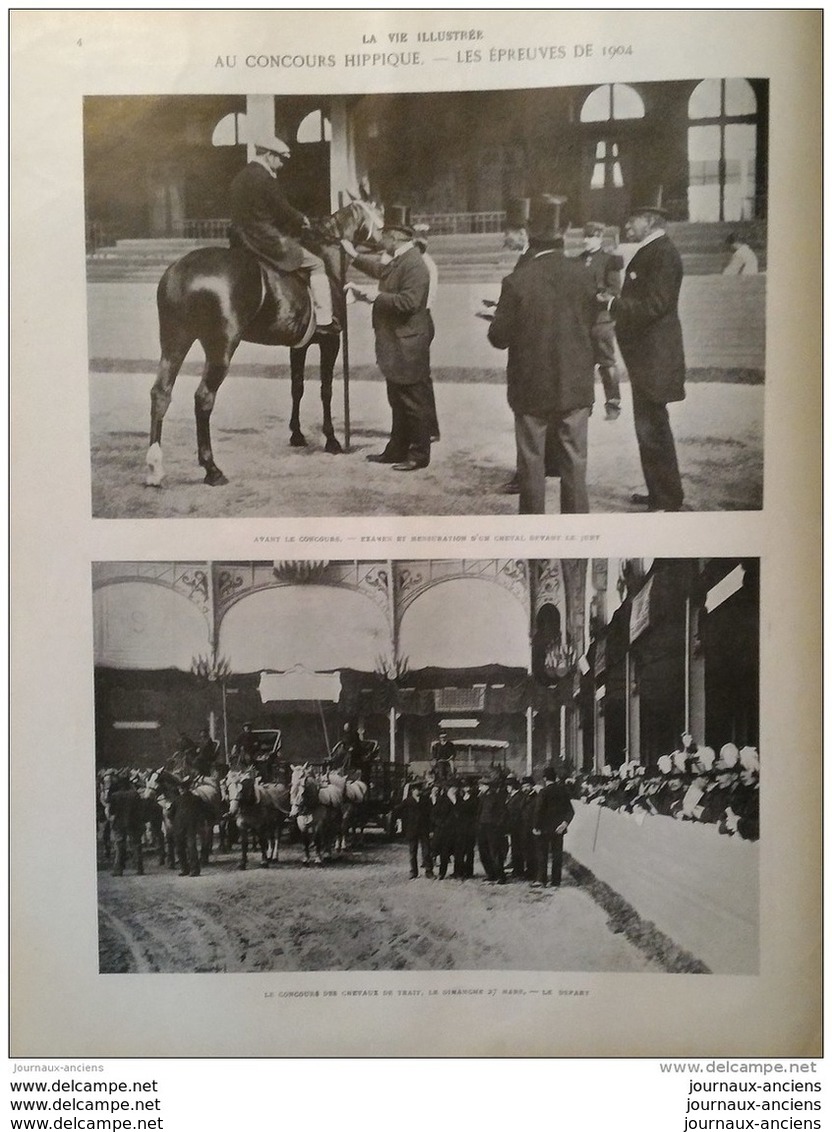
<point x="215" y="478"/>
<point x="333" y="447"/>
<point x="241" y="868"/>
<point x="195" y="872"/>
<point x="264" y="864"/>
<point x="184" y="872"/>
<point x="297" y="440"/>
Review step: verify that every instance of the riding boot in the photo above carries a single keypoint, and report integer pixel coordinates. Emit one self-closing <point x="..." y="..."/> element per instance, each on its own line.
<point x="321" y="299"/>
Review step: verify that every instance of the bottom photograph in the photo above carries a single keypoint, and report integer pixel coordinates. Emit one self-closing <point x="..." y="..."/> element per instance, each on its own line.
<point x="415" y="765"/>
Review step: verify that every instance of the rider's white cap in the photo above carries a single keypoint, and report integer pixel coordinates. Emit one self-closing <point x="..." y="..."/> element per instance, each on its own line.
<point x="265" y="140"/>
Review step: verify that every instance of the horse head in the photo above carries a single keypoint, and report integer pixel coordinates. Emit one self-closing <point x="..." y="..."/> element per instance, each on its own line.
<point x="239" y="789"/>
<point x="360" y="221"/>
<point x="298" y="788"/>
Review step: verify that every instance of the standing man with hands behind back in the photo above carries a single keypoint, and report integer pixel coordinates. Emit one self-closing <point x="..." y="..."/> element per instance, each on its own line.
<point x="544" y="317"/>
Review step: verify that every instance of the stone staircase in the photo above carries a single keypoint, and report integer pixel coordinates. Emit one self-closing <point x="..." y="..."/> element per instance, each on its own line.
<point x="460" y="258"/>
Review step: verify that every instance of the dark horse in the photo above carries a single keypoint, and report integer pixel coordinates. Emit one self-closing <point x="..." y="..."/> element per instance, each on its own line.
<point x="218" y="296"/>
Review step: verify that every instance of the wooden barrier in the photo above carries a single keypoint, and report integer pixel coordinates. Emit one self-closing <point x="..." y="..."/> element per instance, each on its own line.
<point x="701" y="888"/>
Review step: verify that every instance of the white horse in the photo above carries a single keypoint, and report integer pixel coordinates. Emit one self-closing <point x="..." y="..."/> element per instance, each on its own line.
<point x="258" y="808"/>
<point x="317" y="807"/>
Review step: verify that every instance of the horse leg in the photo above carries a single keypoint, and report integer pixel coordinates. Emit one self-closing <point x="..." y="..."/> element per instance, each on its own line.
<point x="217" y="360"/>
<point x="159" y="839"/>
<point x="297" y="364"/>
<point x="264" y="834"/>
<point x="330" y="345"/>
<point x="243" y="831"/>
<point x="173" y="354"/>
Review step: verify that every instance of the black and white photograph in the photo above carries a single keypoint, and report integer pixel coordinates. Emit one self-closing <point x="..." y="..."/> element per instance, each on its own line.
<point x="428" y="765"/>
<point x="481" y="302"/>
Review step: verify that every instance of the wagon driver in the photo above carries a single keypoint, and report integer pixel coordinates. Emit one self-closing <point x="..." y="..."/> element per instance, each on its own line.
<point x="263" y="221"/>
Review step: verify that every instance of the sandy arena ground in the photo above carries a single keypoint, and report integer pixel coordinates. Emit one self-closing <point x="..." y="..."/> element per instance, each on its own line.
<point x="360" y="914"/>
<point x="718" y="431"/>
<point x="719" y="427"/>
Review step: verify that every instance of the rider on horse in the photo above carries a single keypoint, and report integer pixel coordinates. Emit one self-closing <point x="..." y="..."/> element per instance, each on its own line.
<point x="263" y="221"/>
<point x="349" y="753"/>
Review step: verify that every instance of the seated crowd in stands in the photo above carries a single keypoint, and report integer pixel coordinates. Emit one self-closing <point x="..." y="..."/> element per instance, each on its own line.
<point x="691" y="785"/>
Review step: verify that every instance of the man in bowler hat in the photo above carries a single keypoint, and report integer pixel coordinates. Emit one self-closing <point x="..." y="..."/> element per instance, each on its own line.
<point x="404" y="331"/>
<point x="544" y="318"/>
<point x="650" y="338"/>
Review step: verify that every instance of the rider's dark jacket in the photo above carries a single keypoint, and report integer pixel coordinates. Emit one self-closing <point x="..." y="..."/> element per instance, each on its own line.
<point x="263" y="220"/>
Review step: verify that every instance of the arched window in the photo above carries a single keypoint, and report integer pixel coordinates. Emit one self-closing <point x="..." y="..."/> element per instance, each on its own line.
<point x="315" y="127"/>
<point x="606" y="169"/>
<point x="612" y="101"/>
<point x="722" y="150"/>
<point x="230" y="130"/>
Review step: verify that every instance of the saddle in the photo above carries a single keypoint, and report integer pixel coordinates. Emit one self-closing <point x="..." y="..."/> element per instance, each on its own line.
<point x="265" y="329"/>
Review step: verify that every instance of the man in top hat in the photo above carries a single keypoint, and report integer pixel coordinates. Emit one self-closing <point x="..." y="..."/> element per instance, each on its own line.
<point x="205" y="761"/>
<point x="245" y="747"/>
<point x="516" y="238"/>
<point x="544" y="319"/>
<point x="605" y="268"/>
<point x="553" y="812"/>
<point x="650" y="338"/>
<point x="404" y="331"/>
<point x="263" y="221"/>
<point x="491" y="830"/>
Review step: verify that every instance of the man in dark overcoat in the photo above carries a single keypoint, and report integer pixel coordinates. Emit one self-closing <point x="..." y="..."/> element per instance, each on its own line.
<point x="650" y="339"/>
<point x="553" y="812"/>
<point x="467" y="806"/>
<point x="516" y="804"/>
<point x="491" y="831"/>
<point x="415" y="814"/>
<point x="264" y="222"/>
<point x="544" y="318"/>
<point x="403" y="331"/>
<point x="443" y="825"/>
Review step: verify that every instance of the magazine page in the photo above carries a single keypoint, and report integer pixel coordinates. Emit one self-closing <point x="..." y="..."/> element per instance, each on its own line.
<point x="415" y="576"/>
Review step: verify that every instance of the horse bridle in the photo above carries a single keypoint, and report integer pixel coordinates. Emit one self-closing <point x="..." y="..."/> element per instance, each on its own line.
<point x="370" y="220"/>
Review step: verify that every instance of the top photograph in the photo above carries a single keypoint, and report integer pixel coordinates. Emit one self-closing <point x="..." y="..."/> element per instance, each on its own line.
<point x="537" y="302"/>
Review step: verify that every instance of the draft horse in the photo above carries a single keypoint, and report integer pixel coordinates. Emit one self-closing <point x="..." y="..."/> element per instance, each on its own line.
<point x="318" y="810"/>
<point x="191" y="808"/>
<point x="219" y="297"/>
<point x="258" y="808"/>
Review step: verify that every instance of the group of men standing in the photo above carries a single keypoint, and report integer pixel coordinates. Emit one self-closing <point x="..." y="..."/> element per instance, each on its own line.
<point x="515" y="826"/>
<point x="557" y="316"/>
